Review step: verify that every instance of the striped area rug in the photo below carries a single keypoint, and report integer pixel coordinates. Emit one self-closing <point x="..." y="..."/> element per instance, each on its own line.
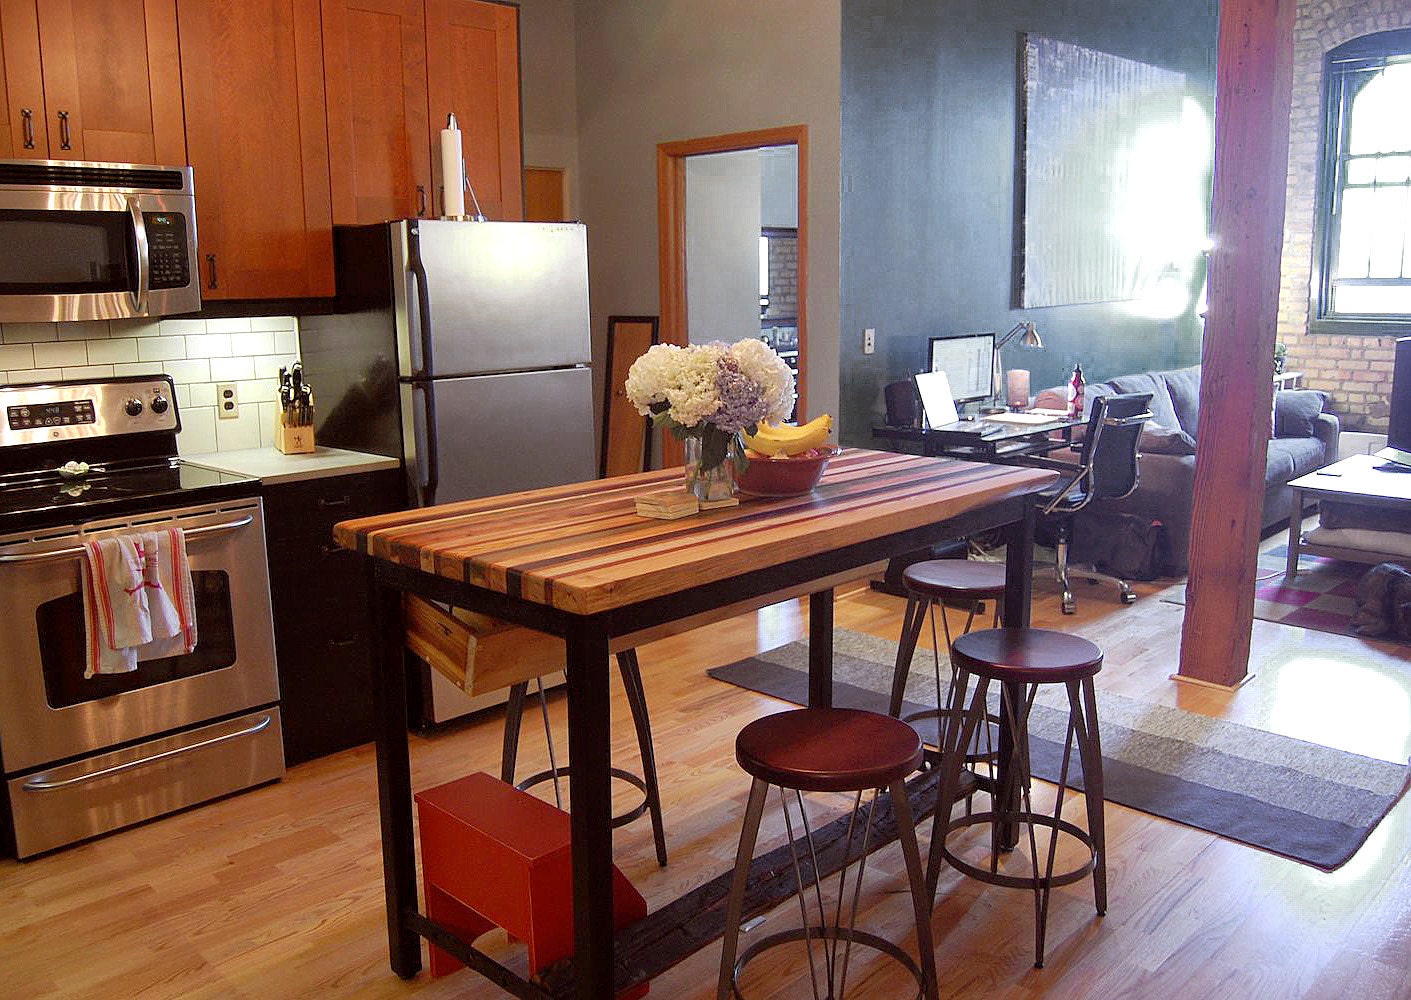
<point x="1307" y="802"/>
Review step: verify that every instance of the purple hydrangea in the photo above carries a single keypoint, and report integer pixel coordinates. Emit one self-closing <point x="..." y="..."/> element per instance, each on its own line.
<point x="741" y="402"/>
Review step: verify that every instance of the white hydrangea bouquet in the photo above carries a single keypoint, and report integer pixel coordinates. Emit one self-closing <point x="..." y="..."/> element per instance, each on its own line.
<point x="710" y="395"/>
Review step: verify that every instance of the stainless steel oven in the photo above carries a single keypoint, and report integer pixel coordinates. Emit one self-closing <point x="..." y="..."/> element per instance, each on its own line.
<point x="83" y="756"/>
<point x="85" y="241"/>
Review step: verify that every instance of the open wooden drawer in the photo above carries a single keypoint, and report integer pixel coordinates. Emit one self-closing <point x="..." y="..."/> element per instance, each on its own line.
<point x="475" y="652"/>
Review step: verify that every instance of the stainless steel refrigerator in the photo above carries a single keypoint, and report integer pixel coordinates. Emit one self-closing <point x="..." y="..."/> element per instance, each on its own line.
<point x="462" y="348"/>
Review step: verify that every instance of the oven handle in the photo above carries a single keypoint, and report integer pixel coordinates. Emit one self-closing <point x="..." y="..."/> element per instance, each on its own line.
<point x="44" y="785"/>
<point x="205" y="529"/>
<point x="144" y="258"/>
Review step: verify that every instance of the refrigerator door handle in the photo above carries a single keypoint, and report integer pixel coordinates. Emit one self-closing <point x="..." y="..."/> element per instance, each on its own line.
<point x="423" y="304"/>
<point x="426" y="489"/>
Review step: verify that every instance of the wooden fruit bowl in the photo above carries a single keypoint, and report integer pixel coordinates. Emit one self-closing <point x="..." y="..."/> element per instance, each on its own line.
<point x="784" y="476"/>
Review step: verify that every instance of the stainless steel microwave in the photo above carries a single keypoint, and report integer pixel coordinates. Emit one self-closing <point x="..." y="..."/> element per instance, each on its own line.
<point x="96" y="241"/>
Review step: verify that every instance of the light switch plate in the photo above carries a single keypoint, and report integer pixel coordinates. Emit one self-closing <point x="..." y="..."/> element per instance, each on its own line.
<point x="227" y="401"/>
<point x="869" y="340"/>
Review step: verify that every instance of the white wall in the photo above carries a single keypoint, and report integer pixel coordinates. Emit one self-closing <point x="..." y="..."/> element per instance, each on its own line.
<point x="722" y="246"/>
<point x="680" y="69"/>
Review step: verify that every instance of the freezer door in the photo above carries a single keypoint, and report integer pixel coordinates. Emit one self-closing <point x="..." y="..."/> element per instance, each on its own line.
<point x="503" y="433"/>
<point x="493" y="296"/>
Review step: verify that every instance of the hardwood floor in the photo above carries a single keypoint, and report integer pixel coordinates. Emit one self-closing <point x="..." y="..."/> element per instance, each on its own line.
<point x="278" y="892"/>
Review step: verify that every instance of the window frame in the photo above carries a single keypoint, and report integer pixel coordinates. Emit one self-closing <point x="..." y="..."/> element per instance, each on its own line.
<point x="1341" y="66"/>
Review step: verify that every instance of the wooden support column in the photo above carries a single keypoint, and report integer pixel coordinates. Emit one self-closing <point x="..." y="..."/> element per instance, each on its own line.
<point x="1252" y="99"/>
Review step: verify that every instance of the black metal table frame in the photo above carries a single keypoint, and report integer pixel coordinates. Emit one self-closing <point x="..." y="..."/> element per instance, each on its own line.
<point x="590" y="797"/>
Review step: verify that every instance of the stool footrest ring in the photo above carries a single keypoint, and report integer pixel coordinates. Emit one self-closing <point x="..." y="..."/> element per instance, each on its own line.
<point x="861" y="938"/>
<point x="634" y="780"/>
<point x="1021" y="881"/>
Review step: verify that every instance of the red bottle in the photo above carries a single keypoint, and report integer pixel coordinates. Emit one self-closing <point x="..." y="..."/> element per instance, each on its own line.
<point x="1075" y="393"/>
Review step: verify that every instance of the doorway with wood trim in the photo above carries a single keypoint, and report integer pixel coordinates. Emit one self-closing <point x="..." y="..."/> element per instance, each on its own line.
<point x="774" y="208"/>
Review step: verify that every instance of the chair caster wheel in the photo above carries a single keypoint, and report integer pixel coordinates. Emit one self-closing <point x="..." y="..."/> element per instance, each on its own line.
<point x="1069" y="608"/>
<point x="1129" y="598"/>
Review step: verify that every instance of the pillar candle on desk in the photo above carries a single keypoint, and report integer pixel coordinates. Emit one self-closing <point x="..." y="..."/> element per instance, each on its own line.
<point x="452" y="170"/>
<point x="1018" y="387"/>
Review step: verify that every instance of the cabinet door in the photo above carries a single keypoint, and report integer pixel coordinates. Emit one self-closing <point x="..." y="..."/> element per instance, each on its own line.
<point x="257" y="139"/>
<point x="374" y="55"/>
<point x="472" y="68"/>
<point x="112" y="85"/>
<point x="23" y="126"/>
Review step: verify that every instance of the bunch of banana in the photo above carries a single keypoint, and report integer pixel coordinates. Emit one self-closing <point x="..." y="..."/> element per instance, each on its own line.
<point x="786" y="439"/>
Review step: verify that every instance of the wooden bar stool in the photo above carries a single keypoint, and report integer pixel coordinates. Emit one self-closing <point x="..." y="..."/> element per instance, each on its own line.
<point x="946" y="583"/>
<point x="646" y="783"/>
<point x="828" y="750"/>
<point x="1022" y="659"/>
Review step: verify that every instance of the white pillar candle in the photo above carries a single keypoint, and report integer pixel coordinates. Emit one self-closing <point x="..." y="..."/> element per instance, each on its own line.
<point x="1017" y="383"/>
<point x="452" y="170"/>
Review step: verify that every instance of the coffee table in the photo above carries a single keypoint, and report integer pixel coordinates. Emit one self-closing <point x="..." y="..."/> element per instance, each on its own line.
<point x="1359" y="479"/>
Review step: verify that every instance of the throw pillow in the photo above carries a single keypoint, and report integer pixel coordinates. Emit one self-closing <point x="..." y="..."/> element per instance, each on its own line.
<point x="1296" y="412"/>
<point x="1159" y="440"/>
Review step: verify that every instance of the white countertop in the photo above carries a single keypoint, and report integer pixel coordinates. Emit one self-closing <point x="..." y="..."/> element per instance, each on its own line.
<point x="271" y="466"/>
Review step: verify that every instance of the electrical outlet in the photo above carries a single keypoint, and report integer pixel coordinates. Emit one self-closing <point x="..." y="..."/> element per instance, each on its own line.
<point x="227" y="401"/>
<point x="869" y="340"/>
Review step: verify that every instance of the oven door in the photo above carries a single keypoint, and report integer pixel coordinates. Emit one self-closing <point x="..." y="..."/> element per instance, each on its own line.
<point x="74" y="254"/>
<point x="49" y="712"/>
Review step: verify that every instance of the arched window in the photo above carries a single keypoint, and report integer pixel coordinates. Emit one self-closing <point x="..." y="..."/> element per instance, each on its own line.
<point x="1364" y="212"/>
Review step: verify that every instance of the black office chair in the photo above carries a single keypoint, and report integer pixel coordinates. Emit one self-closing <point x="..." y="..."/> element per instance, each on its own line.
<point x="1107" y="470"/>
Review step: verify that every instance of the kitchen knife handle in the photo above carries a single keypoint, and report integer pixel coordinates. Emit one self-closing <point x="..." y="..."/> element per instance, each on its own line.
<point x="420" y="199"/>
<point x="65" y="139"/>
<point x="28" y="115"/>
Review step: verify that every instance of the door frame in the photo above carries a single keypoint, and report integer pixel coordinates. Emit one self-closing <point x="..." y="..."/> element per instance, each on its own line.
<point x="671" y="237"/>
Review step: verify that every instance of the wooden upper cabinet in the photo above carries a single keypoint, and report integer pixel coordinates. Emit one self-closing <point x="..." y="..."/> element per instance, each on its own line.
<point x="23" y="129"/>
<point x="112" y="86"/>
<point x="257" y="140"/>
<point x="374" y="54"/>
<point x="472" y="68"/>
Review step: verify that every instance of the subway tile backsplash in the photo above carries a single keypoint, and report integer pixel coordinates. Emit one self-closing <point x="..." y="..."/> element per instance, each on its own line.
<point x="196" y="353"/>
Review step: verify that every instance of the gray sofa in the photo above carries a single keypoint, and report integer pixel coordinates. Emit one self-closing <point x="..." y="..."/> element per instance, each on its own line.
<point x="1305" y="439"/>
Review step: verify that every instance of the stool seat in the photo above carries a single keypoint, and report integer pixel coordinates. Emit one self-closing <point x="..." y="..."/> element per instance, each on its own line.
<point x="828" y="750"/>
<point x="957" y="579"/>
<point x="1027" y="655"/>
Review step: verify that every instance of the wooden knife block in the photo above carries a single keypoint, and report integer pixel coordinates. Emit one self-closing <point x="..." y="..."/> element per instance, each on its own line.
<point x="294" y="440"/>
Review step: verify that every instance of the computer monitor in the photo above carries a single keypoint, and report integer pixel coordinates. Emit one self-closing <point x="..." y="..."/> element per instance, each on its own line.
<point x="969" y="363"/>
<point x="1398" y="449"/>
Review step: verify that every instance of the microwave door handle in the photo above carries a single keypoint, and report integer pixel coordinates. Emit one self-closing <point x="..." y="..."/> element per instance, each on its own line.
<point x="144" y="262"/>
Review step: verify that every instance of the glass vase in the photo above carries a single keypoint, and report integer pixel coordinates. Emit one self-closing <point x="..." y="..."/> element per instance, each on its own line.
<point x="716" y="481"/>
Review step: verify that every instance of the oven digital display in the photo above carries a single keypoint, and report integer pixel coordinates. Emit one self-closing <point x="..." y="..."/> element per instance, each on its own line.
<point x="63" y="414"/>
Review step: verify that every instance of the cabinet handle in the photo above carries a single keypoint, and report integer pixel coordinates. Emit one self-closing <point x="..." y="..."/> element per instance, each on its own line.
<point x="328" y="551"/>
<point x="421" y="200"/>
<point x="28" y="115"/>
<point x="343" y="643"/>
<point x="211" y="266"/>
<point x="64" y="136"/>
<point x="340" y="502"/>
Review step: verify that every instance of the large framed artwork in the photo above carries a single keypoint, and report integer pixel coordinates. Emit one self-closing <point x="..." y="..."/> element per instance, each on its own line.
<point x="1114" y="170"/>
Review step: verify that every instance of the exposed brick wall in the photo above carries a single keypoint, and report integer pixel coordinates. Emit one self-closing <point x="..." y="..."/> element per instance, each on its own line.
<point x="783" y="277"/>
<point x="1356" y="370"/>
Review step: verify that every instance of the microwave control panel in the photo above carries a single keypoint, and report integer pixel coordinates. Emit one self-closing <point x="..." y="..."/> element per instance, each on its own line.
<point x="166" y="249"/>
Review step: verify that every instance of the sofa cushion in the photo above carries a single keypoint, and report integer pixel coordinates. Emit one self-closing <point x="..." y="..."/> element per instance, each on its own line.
<point x="1292" y="457"/>
<point x="1184" y="386"/>
<point x="1158" y="440"/>
<point x="1162" y="410"/>
<point x="1296" y="411"/>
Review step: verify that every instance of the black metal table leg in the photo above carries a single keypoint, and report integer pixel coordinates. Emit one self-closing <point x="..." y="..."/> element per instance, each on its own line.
<point x="820" y="649"/>
<point x="1018" y="593"/>
<point x="590" y="808"/>
<point x="394" y="777"/>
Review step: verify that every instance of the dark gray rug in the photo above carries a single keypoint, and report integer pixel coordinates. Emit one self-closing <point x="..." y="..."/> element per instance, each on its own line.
<point x="1307" y="802"/>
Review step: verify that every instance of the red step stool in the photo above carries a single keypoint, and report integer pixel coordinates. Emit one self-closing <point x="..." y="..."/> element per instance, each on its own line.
<point x="493" y="856"/>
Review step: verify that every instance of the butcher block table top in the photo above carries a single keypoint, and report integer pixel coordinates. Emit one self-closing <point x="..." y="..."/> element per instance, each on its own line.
<point x="583" y="549"/>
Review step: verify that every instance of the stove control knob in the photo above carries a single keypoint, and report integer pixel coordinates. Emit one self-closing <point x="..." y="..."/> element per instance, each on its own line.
<point x="159" y="404"/>
<point x="133" y="407"/>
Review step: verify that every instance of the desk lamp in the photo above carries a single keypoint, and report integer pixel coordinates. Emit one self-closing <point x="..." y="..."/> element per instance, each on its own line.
<point x="1030" y="338"/>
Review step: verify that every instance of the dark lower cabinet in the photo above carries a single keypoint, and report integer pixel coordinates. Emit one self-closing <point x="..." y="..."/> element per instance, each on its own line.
<point x="321" y="613"/>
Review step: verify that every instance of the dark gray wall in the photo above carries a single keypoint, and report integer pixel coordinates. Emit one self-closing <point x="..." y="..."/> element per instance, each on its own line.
<point x="929" y="175"/>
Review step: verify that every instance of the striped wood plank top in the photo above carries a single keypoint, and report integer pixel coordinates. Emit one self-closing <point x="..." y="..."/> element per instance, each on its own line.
<point x="582" y="547"/>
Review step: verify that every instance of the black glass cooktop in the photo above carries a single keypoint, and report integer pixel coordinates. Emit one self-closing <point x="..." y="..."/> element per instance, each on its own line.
<point x="49" y="499"/>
